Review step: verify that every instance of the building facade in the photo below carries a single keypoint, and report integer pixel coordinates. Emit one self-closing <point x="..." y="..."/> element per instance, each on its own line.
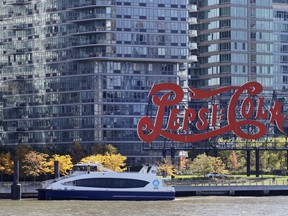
<point x="280" y="8"/>
<point x="235" y="43"/>
<point x="80" y="71"/>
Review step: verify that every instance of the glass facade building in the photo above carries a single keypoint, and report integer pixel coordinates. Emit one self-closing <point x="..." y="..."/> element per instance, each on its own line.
<point x="80" y="71"/>
<point x="280" y="45"/>
<point x="235" y="43"/>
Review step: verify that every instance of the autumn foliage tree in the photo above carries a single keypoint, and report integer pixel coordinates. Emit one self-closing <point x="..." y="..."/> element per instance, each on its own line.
<point x="65" y="162"/>
<point x="6" y="164"/>
<point x="234" y="160"/>
<point x="115" y="162"/>
<point x="166" y="167"/>
<point x="35" y="164"/>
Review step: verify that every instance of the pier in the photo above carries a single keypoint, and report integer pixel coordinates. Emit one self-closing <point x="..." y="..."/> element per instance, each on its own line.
<point x="254" y="187"/>
<point x="260" y="190"/>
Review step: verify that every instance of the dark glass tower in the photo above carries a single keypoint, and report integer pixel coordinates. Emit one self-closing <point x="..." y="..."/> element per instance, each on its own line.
<point x="80" y="71"/>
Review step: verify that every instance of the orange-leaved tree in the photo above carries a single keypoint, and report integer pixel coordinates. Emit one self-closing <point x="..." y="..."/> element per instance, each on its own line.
<point x="234" y="160"/>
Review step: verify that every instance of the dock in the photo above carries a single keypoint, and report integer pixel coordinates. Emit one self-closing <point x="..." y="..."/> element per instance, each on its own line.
<point x="186" y="188"/>
<point x="254" y="187"/>
<point x="260" y="190"/>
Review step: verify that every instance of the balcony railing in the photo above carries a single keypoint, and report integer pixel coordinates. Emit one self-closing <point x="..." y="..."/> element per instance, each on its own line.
<point x="192" y="46"/>
<point x="192" y="33"/>
<point x="192" y="58"/>
<point x="192" y="20"/>
<point x="19" y="2"/>
<point x="91" y="16"/>
<point x="85" y="3"/>
<point x="192" y="8"/>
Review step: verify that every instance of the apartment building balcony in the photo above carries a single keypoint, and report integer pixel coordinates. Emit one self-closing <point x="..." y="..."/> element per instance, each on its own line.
<point x="192" y="33"/>
<point x="90" y="29"/>
<point x="85" y="17"/>
<point x="192" y="20"/>
<point x="19" y="2"/>
<point x="102" y="42"/>
<point x="192" y="58"/>
<point x="91" y="3"/>
<point x="192" y="46"/>
<point x="192" y="7"/>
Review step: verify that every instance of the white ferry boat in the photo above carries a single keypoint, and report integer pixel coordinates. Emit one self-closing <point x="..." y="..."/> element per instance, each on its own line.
<point x="95" y="182"/>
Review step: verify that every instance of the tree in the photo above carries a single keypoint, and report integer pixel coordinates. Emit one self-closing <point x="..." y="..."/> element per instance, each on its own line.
<point x="6" y="164"/>
<point x="21" y="151"/>
<point x="115" y="162"/>
<point x="103" y="149"/>
<point x="35" y="164"/>
<point x="77" y="152"/>
<point x="65" y="162"/>
<point x="204" y="164"/>
<point x="234" y="160"/>
<point x="166" y="167"/>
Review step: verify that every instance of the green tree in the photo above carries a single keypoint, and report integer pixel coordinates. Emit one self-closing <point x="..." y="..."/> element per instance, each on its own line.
<point x="103" y="149"/>
<point x="77" y="152"/>
<point x="204" y="164"/>
<point x="35" y="164"/>
<point x="21" y="151"/>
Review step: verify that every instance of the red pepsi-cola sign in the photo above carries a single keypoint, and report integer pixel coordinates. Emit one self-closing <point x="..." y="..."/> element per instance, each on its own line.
<point x="252" y="113"/>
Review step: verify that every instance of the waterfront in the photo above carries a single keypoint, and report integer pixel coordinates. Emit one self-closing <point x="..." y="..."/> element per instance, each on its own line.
<point x="211" y="205"/>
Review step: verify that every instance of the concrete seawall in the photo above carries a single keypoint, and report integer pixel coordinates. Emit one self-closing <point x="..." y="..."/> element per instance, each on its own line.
<point x="28" y="189"/>
<point x="251" y="190"/>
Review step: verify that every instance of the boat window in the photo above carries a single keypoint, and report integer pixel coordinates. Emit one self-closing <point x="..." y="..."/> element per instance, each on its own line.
<point x="85" y="168"/>
<point x="111" y="183"/>
<point x="79" y="168"/>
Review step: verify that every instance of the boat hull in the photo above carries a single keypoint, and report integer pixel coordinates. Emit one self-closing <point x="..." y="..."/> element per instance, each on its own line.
<point x="48" y="194"/>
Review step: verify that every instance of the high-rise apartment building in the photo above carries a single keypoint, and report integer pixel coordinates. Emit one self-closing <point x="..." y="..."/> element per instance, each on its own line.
<point x="80" y="71"/>
<point x="280" y="8"/>
<point x="235" y="43"/>
<point x="240" y="41"/>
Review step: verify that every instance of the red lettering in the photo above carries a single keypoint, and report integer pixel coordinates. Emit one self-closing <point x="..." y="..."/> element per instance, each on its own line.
<point x="222" y="114"/>
<point x="214" y="115"/>
<point x="173" y="94"/>
<point x="203" y="123"/>
<point x="173" y="118"/>
<point x="146" y="123"/>
<point x="260" y="114"/>
<point x="276" y="117"/>
<point x="247" y="108"/>
<point x="190" y="115"/>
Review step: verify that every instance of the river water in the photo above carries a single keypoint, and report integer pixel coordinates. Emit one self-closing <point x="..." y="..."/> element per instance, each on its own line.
<point x="211" y="205"/>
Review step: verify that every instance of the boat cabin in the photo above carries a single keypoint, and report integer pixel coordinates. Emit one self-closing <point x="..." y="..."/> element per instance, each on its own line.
<point x="93" y="167"/>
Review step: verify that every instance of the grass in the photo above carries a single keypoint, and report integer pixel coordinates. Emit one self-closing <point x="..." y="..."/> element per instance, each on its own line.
<point x="233" y="179"/>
